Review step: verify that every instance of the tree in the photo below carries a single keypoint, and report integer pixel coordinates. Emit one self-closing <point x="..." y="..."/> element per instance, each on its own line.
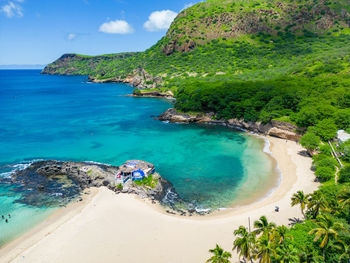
<point x="307" y="116"/>
<point x="317" y="202"/>
<point x="326" y="129"/>
<point x="265" y="250"/>
<point x="344" y="249"/>
<point x="244" y="244"/>
<point x="280" y="234"/>
<point x="326" y="230"/>
<point x="344" y="201"/>
<point x="300" y="199"/>
<point x="344" y="175"/>
<point x="310" y="142"/>
<point x="219" y="255"/>
<point x="264" y="227"/>
<point x="324" y="174"/>
<point x="287" y="254"/>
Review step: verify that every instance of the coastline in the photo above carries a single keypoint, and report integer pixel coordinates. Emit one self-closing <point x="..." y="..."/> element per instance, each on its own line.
<point x="113" y="226"/>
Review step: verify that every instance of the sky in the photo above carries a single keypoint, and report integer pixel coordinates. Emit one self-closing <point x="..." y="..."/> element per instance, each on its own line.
<point x="40" y="31"/>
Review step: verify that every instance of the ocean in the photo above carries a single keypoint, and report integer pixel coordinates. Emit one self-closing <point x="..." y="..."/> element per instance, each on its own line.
<point x="66" y="118"/>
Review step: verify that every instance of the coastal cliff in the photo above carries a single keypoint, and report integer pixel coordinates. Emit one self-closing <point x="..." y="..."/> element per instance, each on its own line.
<point x="139" y="78"/>
<point x="220" y="37"/>
<point x="279" y="129"/>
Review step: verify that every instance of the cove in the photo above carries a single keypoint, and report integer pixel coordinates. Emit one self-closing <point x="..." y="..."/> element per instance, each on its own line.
<point x="66" y="118"/>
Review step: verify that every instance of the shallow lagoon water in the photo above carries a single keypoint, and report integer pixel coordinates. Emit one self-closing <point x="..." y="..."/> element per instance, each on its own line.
<point x="66" y="118"/>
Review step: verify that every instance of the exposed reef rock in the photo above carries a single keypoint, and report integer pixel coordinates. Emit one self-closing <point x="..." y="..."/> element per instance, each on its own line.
<point x="52" y="183"/>
<point x="152" y="94"/>
<point x="280" y="129"/>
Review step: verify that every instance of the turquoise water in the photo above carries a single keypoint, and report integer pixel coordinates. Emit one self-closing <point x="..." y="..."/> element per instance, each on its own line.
<point x="65" y="118"/>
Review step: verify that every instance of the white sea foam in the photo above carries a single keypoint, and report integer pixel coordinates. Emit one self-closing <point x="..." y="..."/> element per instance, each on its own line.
<point x="56" y="194"/>
<point x="21" y="166"/>
<point x="97" y="163"/>
<point x="17" y="167"/>
<point x="202" y="210"/>
<point x="224" y="208"/>
<point x="6" y="175"/>
<point x="267" y="146"/>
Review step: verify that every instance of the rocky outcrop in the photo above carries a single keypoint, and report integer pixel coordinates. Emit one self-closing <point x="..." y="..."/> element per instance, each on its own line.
<point x="52" y="183"/>
<point x="280" y="129"/>
<point x="139" y="78"/>
<point x="198" y="25"/>
<point x="152" y="94"/>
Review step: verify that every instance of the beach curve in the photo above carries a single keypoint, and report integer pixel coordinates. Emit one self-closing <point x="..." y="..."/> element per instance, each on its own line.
<point x="112" y="228"/>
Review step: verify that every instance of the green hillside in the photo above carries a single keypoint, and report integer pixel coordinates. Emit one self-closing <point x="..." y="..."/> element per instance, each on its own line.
<point x="295" y="52"/>
<point x="247" y="39"/>
<point x="288" y="59"/>
<point x="260" y="60"/>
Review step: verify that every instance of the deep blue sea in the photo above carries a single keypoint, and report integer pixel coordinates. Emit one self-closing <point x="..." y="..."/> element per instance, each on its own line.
<point x="66" y="118"/>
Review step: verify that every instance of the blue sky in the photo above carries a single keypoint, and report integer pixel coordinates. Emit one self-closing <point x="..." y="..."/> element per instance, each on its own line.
<point x="39" y="31"/>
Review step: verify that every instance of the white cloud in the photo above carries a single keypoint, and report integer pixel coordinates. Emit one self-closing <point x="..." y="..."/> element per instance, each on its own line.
<point x="191" y="4"/>
<point x="159" y="20"/>
<point x="71" y="36"/>
<point x="188" y="5"/>
<point x="12" y="9"/>
<point x="116" y="27"/>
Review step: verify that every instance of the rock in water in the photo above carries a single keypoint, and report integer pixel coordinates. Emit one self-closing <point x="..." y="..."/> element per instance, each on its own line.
<point x="54" y="183"/>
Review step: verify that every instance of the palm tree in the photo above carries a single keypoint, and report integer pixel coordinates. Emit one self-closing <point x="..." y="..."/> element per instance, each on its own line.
<point x="219" y="255"/>
<point x="265" y="250"/>
<point x="244" y="244"/>
<point x="345" y="249"/>
<point x="264" y="227"/>
<point x="317" y="202"/>
<point x="344" y="200"/>
<point x="300" y="199"/>
<point x="280" y="234"/>
<point x="308" y="255"/>
<point x="287" y="254"/>
<point x="326" y="230"/>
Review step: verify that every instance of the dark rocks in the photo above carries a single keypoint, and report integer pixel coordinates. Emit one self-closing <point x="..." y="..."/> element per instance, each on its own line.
<point x="280" y="129"/>
<point x="105" y="183"/>
<point x="57" y="182"/>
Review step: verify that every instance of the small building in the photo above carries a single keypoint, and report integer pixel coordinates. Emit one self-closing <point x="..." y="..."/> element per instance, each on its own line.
<point x="342" y="136"/>
<point x="134" y="170"/>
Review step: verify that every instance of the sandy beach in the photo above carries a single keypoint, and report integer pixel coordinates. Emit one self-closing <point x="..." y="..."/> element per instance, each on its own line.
<point x="106" y="227"/>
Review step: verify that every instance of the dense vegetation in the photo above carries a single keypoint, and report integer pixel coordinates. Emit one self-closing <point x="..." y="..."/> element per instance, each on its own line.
<point x="253" y="60"/>
<point x="300" y="100"/>
<point x="261" y="60"/>
<point x="323" y="235"/>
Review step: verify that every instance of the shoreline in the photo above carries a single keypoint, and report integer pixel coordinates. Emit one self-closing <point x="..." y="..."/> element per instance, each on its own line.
<point x="58" y="217"/>
<point x="269" y="182"/>
<point x="134" y="221"/>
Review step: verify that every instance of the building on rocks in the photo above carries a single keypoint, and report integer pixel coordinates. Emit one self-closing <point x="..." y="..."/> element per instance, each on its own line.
<point x="134" y="170"/>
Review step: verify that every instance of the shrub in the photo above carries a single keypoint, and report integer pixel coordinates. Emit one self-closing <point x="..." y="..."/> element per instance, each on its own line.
<point x="326" y="129"/>
<point x="327" y="162"/>
<point x="324" y="174"/>
<point x="344" y="175"/>
<point x="326" y="150"/>
<point x="310" y="141"/>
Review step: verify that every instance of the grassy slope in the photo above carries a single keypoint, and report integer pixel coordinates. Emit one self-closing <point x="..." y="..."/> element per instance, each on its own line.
<point x="245" y="39"/>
